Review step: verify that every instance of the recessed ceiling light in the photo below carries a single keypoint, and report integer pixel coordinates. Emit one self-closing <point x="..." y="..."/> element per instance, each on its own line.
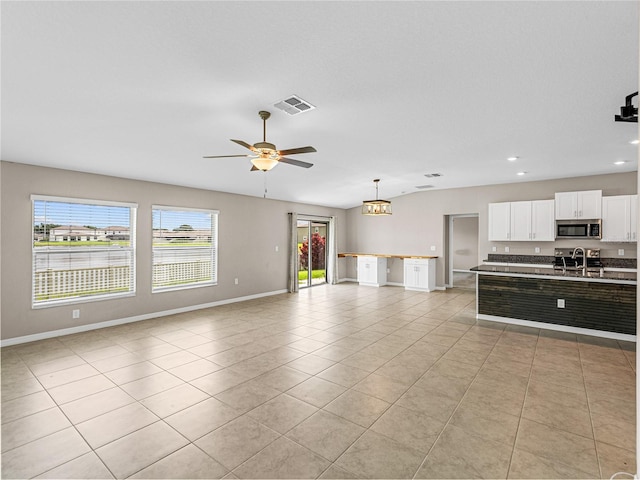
<point x="634" y="142"/>
<point x="513" y="159"/>
<point x="620" y="162"/>
<point x="521" y="173"/>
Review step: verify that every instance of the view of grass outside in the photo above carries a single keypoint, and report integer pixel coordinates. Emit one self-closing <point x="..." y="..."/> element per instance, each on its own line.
<point x="303" y="275"/>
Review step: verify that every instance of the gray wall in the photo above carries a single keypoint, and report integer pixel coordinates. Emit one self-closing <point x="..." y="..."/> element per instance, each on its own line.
<point x="417" y="224"/>
<point x="249" y="230"/>
<point x="418" y="221"/>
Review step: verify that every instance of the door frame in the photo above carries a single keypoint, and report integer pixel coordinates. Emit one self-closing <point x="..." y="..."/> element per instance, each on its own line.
<point x="326" y="223"/>
<point x="449" y="254"/>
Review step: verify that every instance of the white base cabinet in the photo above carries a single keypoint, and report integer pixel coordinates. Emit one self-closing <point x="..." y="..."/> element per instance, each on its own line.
<point x="420" y="274"/>
<point x="372" y="271"/>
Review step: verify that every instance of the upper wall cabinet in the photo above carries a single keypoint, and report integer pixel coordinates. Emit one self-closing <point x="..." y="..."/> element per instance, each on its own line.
<point x="619" y="218"/>
<point x="581" y="205"/>
<point x="522" y="221"/>
<point x="543" y="225"/>
<point x="499" y="221"/>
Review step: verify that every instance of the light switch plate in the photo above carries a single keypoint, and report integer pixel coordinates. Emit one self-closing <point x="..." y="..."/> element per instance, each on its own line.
<point x="494" y="249"/>
<point x="506" y="249"/>
<point x="621" y="251"/>
<point x="561" y="303"/>
<point x="537" y="249"/>
<point x="433" y="248"/>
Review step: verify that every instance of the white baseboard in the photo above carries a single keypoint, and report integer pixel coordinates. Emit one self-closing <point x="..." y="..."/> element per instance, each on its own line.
<point x="137" y="318"/>
<point x="559" y="328"/>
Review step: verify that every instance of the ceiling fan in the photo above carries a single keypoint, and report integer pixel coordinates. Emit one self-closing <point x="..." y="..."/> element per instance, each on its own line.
<point x="265" y="155"/>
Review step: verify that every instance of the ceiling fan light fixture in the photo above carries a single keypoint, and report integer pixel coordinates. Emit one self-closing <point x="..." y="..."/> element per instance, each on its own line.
<point x="377" y="206"/>
<point x="264" y="162"/>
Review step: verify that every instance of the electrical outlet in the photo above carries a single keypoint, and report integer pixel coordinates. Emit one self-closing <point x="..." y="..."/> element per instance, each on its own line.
<point x="621" y="252"/>
<point x="433" y="248"/>
<point x="277" y="248"/>
<point x="235" y="280"/>
<point x="388" y="270"/>
<point x="75" y="313"/>
<point x="561" y="303"/>
<point x="506" y="249"/>
<point x="494" y="249"/>
<point x="537" y="249"/>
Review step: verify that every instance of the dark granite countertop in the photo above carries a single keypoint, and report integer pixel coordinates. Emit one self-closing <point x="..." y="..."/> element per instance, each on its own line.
<point x="607" y="262"/>
<point x="569" y="274"/>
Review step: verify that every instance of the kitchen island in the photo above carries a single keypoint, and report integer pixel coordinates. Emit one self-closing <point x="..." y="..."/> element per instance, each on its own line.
<point x="601" y="303"/>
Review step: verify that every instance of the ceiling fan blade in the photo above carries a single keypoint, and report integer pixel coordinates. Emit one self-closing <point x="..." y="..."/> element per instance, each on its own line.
<point x="297" y="163"/>
<point x="244" y="144"/>
<point x="225" y="156"/>
<point x="254" y="169"/>
<point x="295" y="151"/>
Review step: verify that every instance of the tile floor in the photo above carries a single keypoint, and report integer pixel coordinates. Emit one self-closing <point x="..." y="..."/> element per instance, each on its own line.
<point x="334" y="382"/>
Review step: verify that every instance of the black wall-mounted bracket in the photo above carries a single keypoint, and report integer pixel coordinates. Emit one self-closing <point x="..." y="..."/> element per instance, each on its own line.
<point x="628" y="113"/>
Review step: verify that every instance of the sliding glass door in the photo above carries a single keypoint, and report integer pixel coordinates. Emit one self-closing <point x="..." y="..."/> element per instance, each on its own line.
<point x="312" y="252"/>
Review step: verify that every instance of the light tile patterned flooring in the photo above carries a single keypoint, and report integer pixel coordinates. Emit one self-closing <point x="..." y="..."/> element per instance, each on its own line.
<point x="334" y="382"/>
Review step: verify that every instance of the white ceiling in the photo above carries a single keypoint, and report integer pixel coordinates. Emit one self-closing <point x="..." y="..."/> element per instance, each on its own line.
<point x="144" y="89"/>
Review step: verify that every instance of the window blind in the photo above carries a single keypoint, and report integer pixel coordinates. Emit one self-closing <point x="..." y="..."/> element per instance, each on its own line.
<point x="82" y="250"/>
<point x="185" y="248"/>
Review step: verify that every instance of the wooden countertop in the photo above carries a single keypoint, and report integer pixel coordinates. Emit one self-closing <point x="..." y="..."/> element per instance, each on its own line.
<point x="349" y="254"/>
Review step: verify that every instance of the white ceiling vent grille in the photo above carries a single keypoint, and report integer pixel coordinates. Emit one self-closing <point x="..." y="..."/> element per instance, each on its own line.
<point x="422" y="187"/>
<point x="432" y="175"/>
<point x="294" y="105"/>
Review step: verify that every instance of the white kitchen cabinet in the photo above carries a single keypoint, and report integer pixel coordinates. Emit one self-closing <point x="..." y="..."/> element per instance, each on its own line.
<point x="520" y="227"/>
<point x="499" y="221"/>
<point x="372" y="271"/>
<point x="531" y="220"/>
<point x="579" y="205"/>
<point x="543" y="225"/>
<point x="420" y="274"/>
<point x="619" y="218"/>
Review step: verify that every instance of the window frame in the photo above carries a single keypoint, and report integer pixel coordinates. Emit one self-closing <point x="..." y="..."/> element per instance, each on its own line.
<point x="214" y="214"/>
<point x="133" y="208"/>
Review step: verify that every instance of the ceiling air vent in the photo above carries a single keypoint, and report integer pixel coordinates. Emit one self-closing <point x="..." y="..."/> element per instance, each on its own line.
<point x="422" y="187"/>
<point x="294" y="105"/>
<point x="432" y="175"/>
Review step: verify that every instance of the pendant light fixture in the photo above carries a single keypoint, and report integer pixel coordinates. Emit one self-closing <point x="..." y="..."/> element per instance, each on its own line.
<point x="376" y="207"/>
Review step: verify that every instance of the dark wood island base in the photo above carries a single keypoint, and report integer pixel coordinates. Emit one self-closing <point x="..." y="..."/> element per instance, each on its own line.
<point x="600" y="307"/>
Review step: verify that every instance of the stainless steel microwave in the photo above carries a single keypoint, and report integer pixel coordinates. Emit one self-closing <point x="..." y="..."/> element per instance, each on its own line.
<point x="579" y="229"/>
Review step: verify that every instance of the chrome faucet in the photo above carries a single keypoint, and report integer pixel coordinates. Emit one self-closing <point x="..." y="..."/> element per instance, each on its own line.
<point x="584" y="259"/>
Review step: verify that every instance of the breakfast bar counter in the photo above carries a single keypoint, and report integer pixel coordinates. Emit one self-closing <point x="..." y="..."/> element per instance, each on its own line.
<point x="601" y="302"/>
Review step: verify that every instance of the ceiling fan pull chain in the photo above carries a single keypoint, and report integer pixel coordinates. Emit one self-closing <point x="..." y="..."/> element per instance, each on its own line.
<point x="265" y="184"/>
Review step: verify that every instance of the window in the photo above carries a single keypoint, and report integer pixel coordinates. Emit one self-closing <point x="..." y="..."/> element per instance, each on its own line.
<point x="76" y="256"/>
<point x="185" y="248"/>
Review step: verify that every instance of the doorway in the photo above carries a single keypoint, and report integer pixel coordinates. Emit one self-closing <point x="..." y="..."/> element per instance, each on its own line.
<point x="312" y="252"/>
<point x="463" y="250"/>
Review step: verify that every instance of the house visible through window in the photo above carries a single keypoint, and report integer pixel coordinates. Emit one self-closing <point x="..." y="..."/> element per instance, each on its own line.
<point x="82" y="250"/>
<point x="185" y="248"/>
